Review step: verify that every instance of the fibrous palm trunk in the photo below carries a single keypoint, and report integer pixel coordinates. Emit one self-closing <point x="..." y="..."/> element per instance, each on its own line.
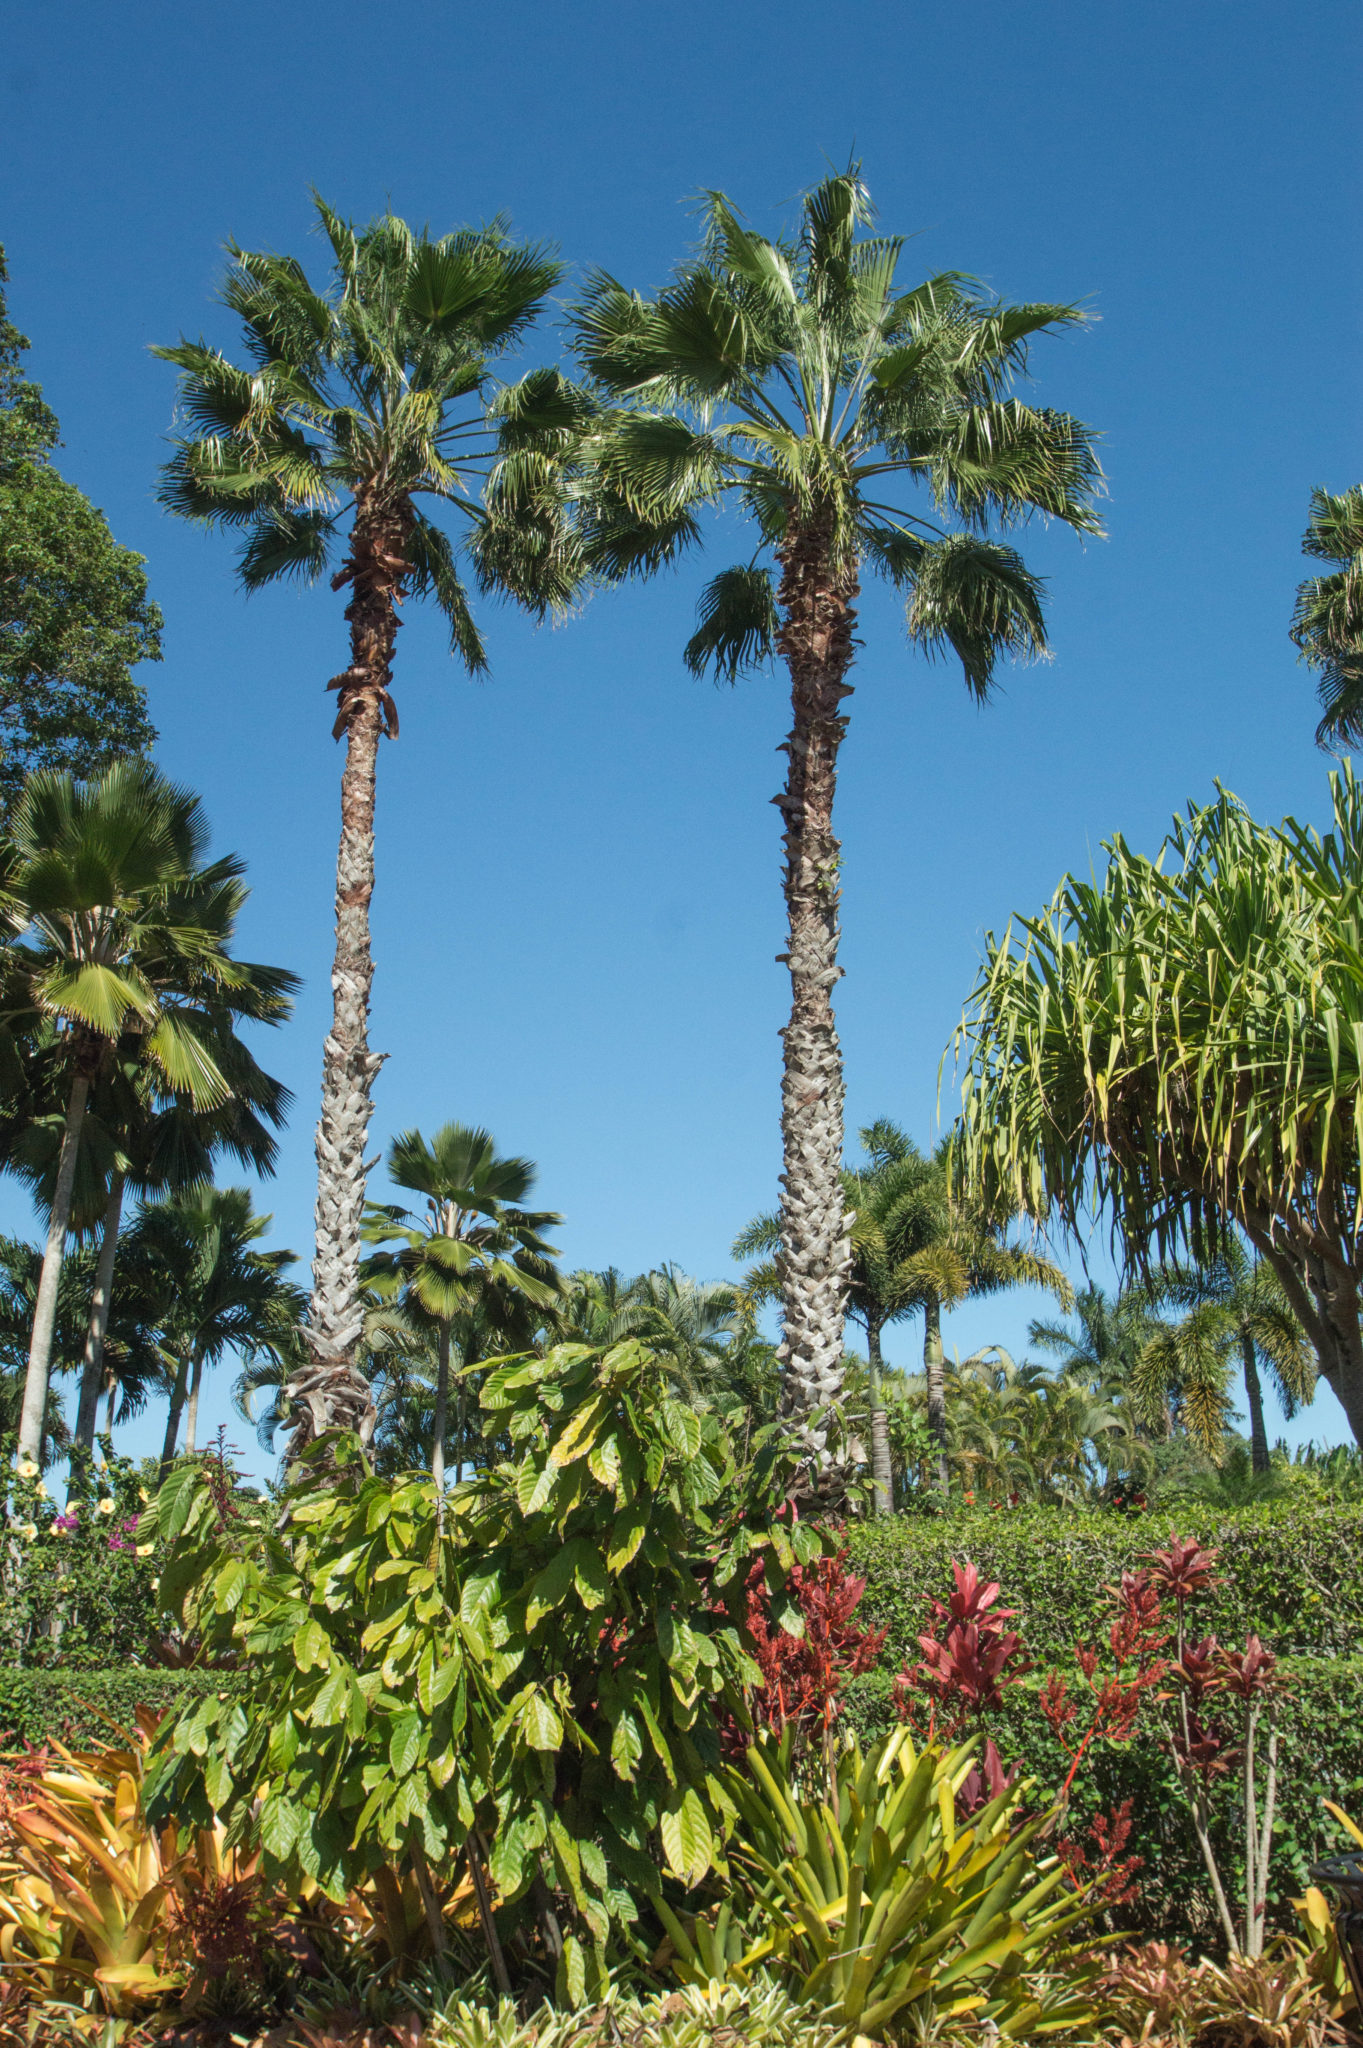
<point x="177" y="1409"/>
<point x="1258" y="1435"/>
<point x="329" y="1392"/>
<point x="442" y="1398"/>
<point x="882" y="1473"/>
<point x="92" y="1370"/>
<point x="814" y="1262"/>
<point x="192" y="1409"/>
<point x="33" y="1414"/>
<point x="934" y="1372"/>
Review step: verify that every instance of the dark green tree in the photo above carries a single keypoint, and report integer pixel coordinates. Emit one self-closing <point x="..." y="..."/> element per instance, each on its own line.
<point x="75" y="618"/>
<point x="1327" y="623"/>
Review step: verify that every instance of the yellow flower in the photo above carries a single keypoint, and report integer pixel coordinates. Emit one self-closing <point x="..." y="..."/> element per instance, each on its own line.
<point x="106" y="1506"/>
<point x="41" y="1490"/>
<point x="145" y="1549"/>
<point x="143" y="1495"/>
<point x="29" y="1529"/>
<point x="27" y="1469"/>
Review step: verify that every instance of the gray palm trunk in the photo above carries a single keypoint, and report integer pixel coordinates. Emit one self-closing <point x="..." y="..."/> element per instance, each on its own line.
<point x="178" y="1391"/>
<point x="1258" y="1435"/>
<point x="882" y="1473"/>
<point x="815" y="1258"/>
<point x="33" y="1413"/>
<point x="192" y="1408"/>
<point x="92" y="1369"/>
<point x="329" y="1392"/>
<point x="442" y="1397"/>
<point x="934" y="1372"/>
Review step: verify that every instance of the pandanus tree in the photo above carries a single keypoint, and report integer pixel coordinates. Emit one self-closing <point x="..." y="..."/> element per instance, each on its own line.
<point x="359" y="404"/>
<point x="475" y="1258"/>
<point x="1236" y="1317"/>
<point x="795" y="378"/>
<point x="1327" y="623"/>
<point x="123" y="929"/>
<point x="1178" y="1044"/>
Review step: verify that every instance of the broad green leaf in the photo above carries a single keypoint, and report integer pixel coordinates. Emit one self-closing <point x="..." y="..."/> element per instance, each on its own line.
<point x="540" y="1723"/>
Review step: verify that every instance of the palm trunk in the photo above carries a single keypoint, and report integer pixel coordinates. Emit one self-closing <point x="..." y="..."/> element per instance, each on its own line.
<point x="92" y="1372"/>
<point x="109" y="1411"/>
<point x="882" y="1473"/>
<point x="815" y="1258"/>
<point x="442" y="1397"/>
<point x="330" y="1392"/>
<point x="935" y="1376"/>
<point x="1258" y="1436"/>
<point x="33" y="1414"/>
<point x="177" y="1403"/>
<point x="192" y="1410"/>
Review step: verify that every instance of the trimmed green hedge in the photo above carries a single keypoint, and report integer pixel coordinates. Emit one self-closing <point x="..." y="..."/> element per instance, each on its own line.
<point x="1292" y="1575"/>
<point x="76" y="1706"/>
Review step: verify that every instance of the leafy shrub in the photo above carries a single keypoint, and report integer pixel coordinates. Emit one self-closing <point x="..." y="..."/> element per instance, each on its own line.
<point x="873" y="1900"/>
<point x="542" y="1669"/>
<point x="76" y="1586"/>
<point x="79" y="1707"/>
<point x="1291" y="1574"/>
<point x="759" y="2015"/>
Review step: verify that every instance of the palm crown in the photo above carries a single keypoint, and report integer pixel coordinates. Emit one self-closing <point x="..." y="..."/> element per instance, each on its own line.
<point x="1327" y="623"/>
<point x="366" y="397"/>
<point x="796" y="375"/>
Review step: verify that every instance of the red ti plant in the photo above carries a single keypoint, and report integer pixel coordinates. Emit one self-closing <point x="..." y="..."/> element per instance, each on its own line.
<point x="1111" y="1699"/>
<point x="803" y="1676"/>
<point x="1204" y="1749"/>
<point x="970" y="1658"/>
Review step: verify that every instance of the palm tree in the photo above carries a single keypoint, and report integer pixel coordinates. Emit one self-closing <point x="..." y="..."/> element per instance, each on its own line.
<point x="475" y="1255"/>
<point x="794" y="376"/>
<point x="193" y="1266"/>
<point x="875" y="1197"/>
<point x="1104" y="1342"/>
<point x="1235" y="1313"/>
<point x="952" y="1250"/>
<point x="123" y="928"/>
<point x="357" y="402"/>
<point x="1327" y="623"/>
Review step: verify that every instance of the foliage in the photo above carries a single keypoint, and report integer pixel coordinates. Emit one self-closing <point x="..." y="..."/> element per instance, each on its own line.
<point x="1155" y="1994"/>
<point x="760" y="2014"/>
<point x="77" y="1705"/>
<point x="77" y="1587"/>
<point x="802" y="1677"/>
<point x="546" y="1669"/>
<point x="1180" y="1040"/>
<point x="75" y="618"/>
<point x="874" y="1903"/>
<point x="95" y="1901"/>
<point x="1327" y="622"/>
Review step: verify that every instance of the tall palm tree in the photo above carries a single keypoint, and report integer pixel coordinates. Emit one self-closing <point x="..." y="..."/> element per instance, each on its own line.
<point x="1327" y="623"/>
<point x="359" y="401"/>
<point x="795" y="377"/>
<point x="952" y="1250"/>
<point x="195" y="1270"/>
<point x="123" y="927"/>
<point x="476" y="1252"/>
<point x="1235" y="1314"/>
<point x="876" y="1197"/>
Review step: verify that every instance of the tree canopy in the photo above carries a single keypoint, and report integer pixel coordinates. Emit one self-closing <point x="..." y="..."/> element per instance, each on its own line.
<point x="75" y="617"/>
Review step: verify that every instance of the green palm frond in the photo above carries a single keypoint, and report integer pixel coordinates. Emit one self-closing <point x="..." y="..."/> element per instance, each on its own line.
<point x="738" y="623"/>
<point x="1327" y="622"/>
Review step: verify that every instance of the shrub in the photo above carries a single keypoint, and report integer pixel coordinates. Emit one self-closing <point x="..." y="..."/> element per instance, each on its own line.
<point x="80" y="1707"/>
<point x="1291" y="1574"/>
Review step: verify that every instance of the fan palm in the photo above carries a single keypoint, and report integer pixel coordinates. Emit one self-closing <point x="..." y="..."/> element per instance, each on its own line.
<point x="1327" y="623"/>
<point x="1235" y="1314"/>
<point x="795" y="377"/>
<point x="195" y="1271"/>
<point x="123" y="930"/>
<point x="475" y="1253"/>
<point x="360" y="401"/>
<point x="876" y="1197"/>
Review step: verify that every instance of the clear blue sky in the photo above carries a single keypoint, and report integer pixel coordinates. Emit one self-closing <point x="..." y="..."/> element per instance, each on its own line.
<point x="578" y="902"/>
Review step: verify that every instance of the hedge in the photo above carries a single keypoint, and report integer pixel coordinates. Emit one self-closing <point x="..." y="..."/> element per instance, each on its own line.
<point x="1292" y="1575"/>
<point x="77" y="1706"/>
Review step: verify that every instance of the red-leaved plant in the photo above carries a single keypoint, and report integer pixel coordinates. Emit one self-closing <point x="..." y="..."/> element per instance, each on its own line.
<point x="803" y="1676"/>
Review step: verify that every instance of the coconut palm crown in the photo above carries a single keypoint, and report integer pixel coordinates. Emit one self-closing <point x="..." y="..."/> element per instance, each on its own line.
<point x="796" y="379"/>
<point x="359" y="405"/>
